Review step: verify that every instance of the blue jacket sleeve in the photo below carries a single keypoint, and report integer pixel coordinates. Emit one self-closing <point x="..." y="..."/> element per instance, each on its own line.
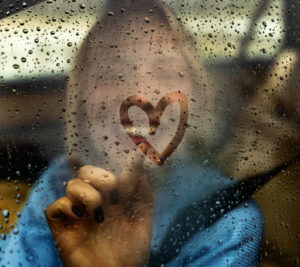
<point x="31" y="242"/>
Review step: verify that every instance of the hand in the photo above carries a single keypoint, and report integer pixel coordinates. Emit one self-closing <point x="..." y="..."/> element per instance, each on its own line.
<point x="104" y="220"/>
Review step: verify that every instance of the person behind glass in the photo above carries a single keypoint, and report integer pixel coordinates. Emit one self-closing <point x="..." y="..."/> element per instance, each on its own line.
<point x="121" y="209"/>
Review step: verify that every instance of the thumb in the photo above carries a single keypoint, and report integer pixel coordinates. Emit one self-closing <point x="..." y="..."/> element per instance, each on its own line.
<point x="134" y="170"/>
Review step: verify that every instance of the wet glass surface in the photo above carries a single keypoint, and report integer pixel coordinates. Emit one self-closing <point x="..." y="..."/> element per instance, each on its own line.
<point x="184" y="116"/>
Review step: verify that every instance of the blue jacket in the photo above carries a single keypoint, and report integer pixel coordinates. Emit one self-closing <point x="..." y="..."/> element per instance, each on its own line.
<point x="193" y="224"/>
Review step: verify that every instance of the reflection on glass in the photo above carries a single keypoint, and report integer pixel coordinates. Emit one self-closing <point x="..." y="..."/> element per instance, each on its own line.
<point x="149" y="133"/>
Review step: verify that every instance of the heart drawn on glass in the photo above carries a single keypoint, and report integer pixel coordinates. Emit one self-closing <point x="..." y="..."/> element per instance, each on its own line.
<point x="154" y="115"/>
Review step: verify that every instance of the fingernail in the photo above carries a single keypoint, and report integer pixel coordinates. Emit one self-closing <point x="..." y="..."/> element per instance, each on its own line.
<point x="114" y="197"/>
<point x="99" y="216"/>
<point x="79" y="213"/>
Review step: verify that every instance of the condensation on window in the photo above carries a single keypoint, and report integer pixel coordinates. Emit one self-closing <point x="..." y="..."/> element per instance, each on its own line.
<point x="149" y="132"/>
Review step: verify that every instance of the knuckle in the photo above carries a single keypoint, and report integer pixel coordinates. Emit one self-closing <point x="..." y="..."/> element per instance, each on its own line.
<point x="72" y="191"/>
<point x="89" y="171"/>
<point x="82" y="192"/>
<point x="69" y="188"/>
<point x="73" y="184"/>
<point x="70" y="184"/>
<point x="86" y="169"/>
<point x="52" y="208"/>
<point x="98" y="176"/>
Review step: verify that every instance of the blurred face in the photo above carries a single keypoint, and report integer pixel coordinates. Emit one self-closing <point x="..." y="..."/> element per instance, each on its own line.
<point x="145" y="67"/>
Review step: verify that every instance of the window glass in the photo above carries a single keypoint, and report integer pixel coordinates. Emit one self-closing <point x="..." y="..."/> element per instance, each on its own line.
<point x="149" y="132"/>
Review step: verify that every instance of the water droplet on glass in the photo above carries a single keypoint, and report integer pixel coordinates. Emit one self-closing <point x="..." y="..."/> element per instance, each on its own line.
<point x="15" y="231"/>
<point x="5" y="213"/>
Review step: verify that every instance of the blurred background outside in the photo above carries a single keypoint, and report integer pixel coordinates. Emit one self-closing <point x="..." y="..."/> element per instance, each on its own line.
<point x="247" y="46"/>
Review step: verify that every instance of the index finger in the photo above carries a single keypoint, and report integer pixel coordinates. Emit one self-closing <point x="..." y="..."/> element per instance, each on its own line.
<point x="137" y="162"/>
<point x="134" y="169"/>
